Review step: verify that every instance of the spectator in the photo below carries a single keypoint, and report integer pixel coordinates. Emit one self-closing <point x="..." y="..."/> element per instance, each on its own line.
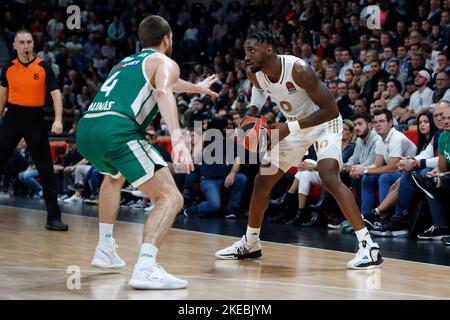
<point x="55" y="27"/>
<point x="215" y="176"/>
<point x="108" y="50"/>
<point x="91" y="48"/>
<point x="442" y="87"/>
<point x="116" y="31"/>
<point x="74" y="47"/>
<point x="343" y="101"/>
<point x="391" y="146"/>
<point x="420" y="101"/>
<point x="307" y="54"/>
<point x="364" y="152"/>
<point x="392" y="96"/>
<point x="360" y="106"/>
<point x="394" y="71"/>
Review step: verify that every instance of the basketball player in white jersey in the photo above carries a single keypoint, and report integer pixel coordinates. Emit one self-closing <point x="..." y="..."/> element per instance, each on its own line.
<point x="313" y="118"/>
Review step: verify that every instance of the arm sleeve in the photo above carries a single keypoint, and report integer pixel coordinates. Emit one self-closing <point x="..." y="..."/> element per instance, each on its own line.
<point x="259" y="97"/>
<point x="372" y="153"/>
<point x="50" y="78"/>
<point x="427" y="153"/>
<point x="379" y="147"/>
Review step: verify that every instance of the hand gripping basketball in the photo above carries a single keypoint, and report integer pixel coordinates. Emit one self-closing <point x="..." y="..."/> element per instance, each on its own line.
<point x="254" y="133"/>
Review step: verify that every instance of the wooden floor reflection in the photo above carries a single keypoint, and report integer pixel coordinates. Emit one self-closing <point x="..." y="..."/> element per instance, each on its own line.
<point x="38" y="264"/>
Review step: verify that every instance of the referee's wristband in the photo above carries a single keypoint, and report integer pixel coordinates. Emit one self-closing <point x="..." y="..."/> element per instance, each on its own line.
<point x="294" y="126"/>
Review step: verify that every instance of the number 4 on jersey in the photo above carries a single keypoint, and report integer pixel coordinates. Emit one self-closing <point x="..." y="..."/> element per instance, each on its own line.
<point x="109" y="84"/>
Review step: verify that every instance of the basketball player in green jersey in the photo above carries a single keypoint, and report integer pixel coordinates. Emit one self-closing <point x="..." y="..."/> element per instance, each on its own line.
<point x="112" y="136"/>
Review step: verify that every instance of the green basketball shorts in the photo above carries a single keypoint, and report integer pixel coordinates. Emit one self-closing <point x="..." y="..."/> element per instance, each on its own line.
<point x="116" y="146"/>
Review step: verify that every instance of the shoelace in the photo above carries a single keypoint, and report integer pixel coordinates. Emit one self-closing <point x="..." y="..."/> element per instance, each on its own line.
<point x="239" y="245"/>
<point x="431" y="229"/>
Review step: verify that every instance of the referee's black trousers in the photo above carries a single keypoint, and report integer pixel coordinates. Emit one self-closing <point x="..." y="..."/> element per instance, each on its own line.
<point x="28" y="123"/>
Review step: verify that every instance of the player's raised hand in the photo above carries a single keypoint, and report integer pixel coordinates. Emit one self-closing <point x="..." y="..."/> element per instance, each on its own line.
<point x="204" y="85"/>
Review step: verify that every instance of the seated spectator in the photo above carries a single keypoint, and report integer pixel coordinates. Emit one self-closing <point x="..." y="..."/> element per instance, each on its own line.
<point x="426" y="134"/>
<point x="29" y="178"/>
<point x="218" y="175"/>
<point x="391" y="146"/>
<point x="116" y="30"/>
<point x="394" y="71"/>
<point x="83" y="101"/>
<point x="422" y="163"/>
<point x="361" y="106"/>
<point x="343" y="102"/>
<point x="353" y="95"/>
<point x="442" y="87"/>
<point x="71" y="114"/>
<point x="381" y="87"/>
<point x="108" y="49"/>
<point x="18" y="162"/>
<point x="364" y="153"/>
<point x="436" y="184"/>
<point x="392" y="95"/>
<point x="420" y="100"/>
<point x="93" y="179"/>
<point x="71" y="158"/>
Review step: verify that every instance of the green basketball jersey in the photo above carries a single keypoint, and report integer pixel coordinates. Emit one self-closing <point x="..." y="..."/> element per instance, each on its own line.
<point x="126" y="90"/>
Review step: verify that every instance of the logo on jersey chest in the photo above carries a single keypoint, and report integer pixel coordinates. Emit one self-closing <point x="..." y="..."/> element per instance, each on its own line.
<point x="36" y="76"/>
<point x="290" y="87"/>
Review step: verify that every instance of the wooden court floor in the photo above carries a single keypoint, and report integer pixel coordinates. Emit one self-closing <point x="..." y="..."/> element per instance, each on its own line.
<point x="34" y="265"/>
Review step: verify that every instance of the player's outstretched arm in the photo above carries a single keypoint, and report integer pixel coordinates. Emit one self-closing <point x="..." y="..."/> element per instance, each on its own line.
<point x="166" y="75"/>
<point x="305" y="77"/>
<point x="201" y="87"/>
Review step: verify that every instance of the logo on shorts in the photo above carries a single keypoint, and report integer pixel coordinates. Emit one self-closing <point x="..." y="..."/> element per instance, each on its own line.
<point x="36" y="76"/>
<point x="290" y="87"/>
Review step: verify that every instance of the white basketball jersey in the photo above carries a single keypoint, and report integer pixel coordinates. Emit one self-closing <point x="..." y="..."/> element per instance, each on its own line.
<point x="292" y="100"/>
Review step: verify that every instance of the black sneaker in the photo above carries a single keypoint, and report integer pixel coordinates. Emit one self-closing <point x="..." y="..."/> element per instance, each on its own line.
<point x="394" y="227"/>
<point x="434" y="233"/>
<point x="56" y="225"/>
<point x="370" y="219"/>
<point x="446" y="241"/>
<point x="426" y="184"/>
<point x="189" y="212"/>
<point x="280" y="201"/>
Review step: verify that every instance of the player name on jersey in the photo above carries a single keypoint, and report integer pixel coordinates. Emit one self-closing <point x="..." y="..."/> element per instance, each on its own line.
<point x="101" y="106"/>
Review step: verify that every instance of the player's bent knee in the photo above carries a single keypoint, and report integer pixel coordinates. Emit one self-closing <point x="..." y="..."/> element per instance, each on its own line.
<point x="330" y="181"/>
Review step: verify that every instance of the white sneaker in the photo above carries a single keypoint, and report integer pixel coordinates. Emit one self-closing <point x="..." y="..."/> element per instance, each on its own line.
<point x="240" y="250"/>
<point x="154" y="277"/>
<point x="73" y="199"/>
<point x="107" y="258"/>
<point x="150" y="208"/>
<point x="137" y="193"/>
<point x="367" y="257"/>
<point x="63" y="197"/>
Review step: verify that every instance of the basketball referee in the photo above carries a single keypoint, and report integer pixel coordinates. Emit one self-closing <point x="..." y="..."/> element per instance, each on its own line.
<point x="24" y="85"/>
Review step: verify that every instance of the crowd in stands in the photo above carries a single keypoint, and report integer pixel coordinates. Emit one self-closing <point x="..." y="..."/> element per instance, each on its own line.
<point x="385" y="81"/>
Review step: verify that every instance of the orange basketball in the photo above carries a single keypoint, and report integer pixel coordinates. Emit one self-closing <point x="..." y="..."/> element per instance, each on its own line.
<point x="254" y="133"/>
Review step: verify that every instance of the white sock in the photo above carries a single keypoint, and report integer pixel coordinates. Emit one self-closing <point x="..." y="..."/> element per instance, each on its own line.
<point x="147" y="256"/>
<point x="252" y="234"/>
<point x="364" y="235"/>
<point x="106" y="235"/>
